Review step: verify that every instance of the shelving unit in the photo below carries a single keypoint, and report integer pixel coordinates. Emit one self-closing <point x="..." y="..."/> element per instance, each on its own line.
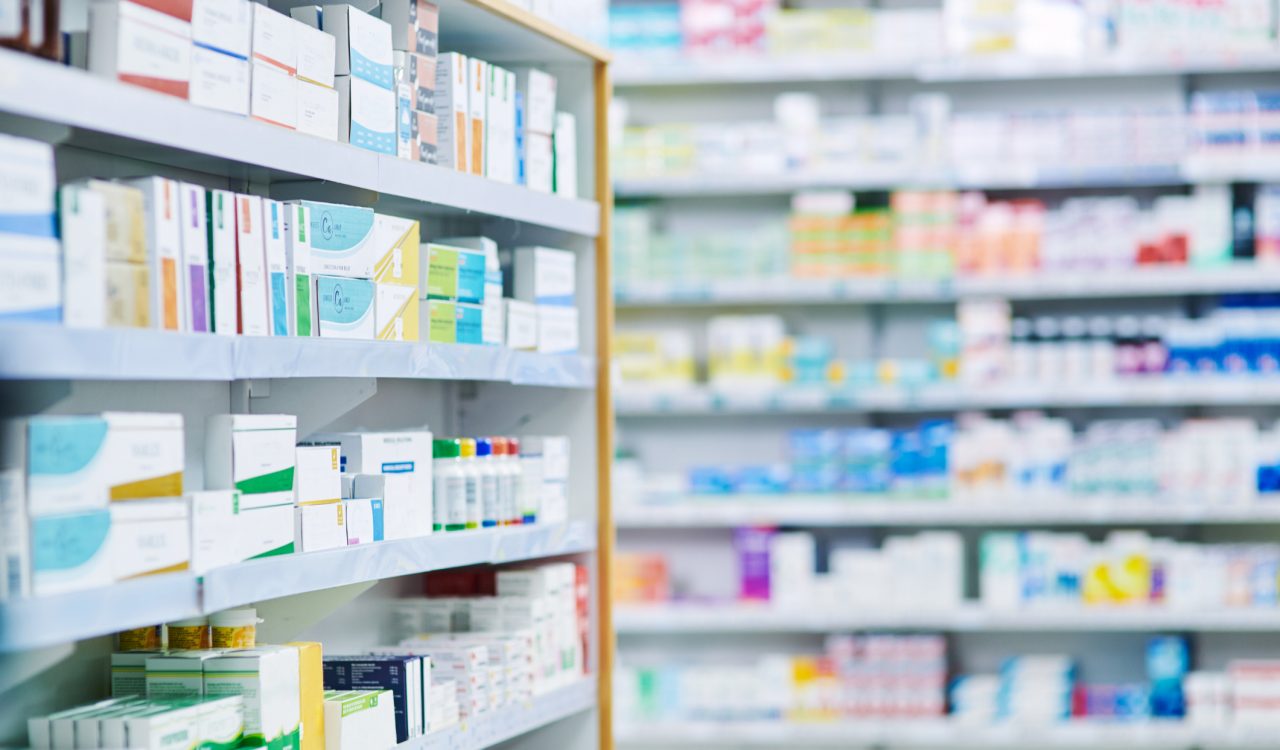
<point x="52" y="647"/>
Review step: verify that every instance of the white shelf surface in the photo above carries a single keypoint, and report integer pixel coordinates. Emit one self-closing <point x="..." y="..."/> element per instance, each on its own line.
<point x="653" y="70"/>
<point x="817" y="510"/>
<point x="496" y="727"/>
<point x="32" y="351"/>
<point x="46" y="621"/>
<point x="1128" y="392"/>
<point x="1170" y="281"/>
<point x="133" y="122"/>
<point x="941" y="733"/>
<point x="970" y="618"/>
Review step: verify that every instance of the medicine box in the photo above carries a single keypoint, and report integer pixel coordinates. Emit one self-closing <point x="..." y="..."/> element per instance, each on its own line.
<point x="83" y="216"/>
<point x="128" y="295"/>
<point x="274" y="40"/>
<point x="31" y="285"/>
<point x="406" y="452"/>
<point x="311" y="693"/>
<point x="401" y="675"/>
<point x="154" y="725"/>
<point x="366" y="115"/>
<point x="222" y="721"/>
<point x="164" y="249"/>
<point x="15" y="541"/>
<point x="472" y="271"/>
<point x="396" y="312"/>
<point x="32" y="282"/>
<point x="192" y="216"/>
<point x="67" y="464"/>
<point x="69" y="552"/>
<point x="252" y="453"/>
<point x="545" y="276"/>
<point x="406" y="512"/>
<point x="522" y="324"/>
<point x="215" y="526"/>
<point x="452" y="112"/>
<point x="318" y="108"/>
<point x="341" y="239"/>
<point x="564" y="144"/>
<point x="477" y="118"/>
<point x="441" y="321"/>
<point x="404" y="121"/>
<point x="85" y="729"/>
<point x="149" y="537"/>
<point x="500" y="125"/>
<point x="145" y="455"/>
<point x="223" y="25"/>
<point x="470" y="325"/>
<point x="273" y="221"/>
<point x="177" y="675"/>
<point x="223" y="304"/>
<point x="426" y="138"/>
<point x="440" y="273"/>
<point x="265" y="532"/>
<point x="358" y="719"/>
<point x="494" y="321"/>
<point x="267" y="679"/>
<point x="557" y="329"/>
<point x="318" y="477"/>
<point x="301" y="298"/>
<point x="126" y="221"/>
<point x="420" y="73"/>
<point x="414" y="25"/>
<point x="320" y="527"/>
<point x="395" y="249"/>
<point x="251" y="266"/>
<point x="40" y="729"/>
<point x="219" y="81"/>
<point x="363" y="44"/>
<point x="317" y="55"/>
<point x="139" y="45"/>
<point x="365" y="520"/>
<point x="129" y="673"/>
<point x="273" y="94"/>
<point x="539" y="165"/>
<point x="538" y="90"/>
<point x="345" y="307"/>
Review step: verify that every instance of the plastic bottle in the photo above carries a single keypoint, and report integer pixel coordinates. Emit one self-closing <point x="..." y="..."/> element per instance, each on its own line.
<point x="509" y="482"/>
<point x="486" y="466"/>
<point x="531" y="479"/>
<point x="450" y="486"/>
<point x="471" y="473"/>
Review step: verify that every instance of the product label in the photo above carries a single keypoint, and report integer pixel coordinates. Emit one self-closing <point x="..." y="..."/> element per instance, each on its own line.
<point x="451" y="494"/>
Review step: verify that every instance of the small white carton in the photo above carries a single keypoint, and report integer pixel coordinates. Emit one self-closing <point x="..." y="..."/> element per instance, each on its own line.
<point x="223" y="298"/>
<point x="251" y="266"/>
<point x="149" y="537"/>
<point x="164" y="250"/>
<point x="252" y="453"/>
<point x="83" y="216"/>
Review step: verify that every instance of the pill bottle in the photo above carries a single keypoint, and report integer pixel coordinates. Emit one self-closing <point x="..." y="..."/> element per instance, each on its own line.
<point x="471" y="475"/>
<point x="450" y="499"/>
<point x="190" y="634"/>
<point x="235" y="628"/>
<point x="486" y="466"/>
<point x="506" y="452"/>
<point x="531" y="480"/>
<point x="147" y="638"/>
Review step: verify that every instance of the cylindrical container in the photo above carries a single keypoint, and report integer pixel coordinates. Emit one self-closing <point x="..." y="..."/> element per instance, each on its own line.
<point x="487" y="466"/>
<point x="235" y="628"/>
<point x="506" y="450"/>
<point x="531" y="479"/>
<point x="146" y="638"/>
<point x="471" y="475"/>
<point x="189" y="634"/>
<point x="450" y="499"/>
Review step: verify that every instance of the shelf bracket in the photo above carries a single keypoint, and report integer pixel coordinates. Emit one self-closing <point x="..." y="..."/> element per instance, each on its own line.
<point x="317" y="402"/>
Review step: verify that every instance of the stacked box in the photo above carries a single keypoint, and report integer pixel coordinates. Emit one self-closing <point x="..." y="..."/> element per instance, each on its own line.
<point x="453" y="288"/>
<point x="536" y="102"/>
<point x="500" y="124"/>
<point x="547" y="278"/>
<point x="492" y="309"/>
<point x="255" y="454"/>
<point x="82" y="217"/>
<point x="142" y="44"/>
<point x="401" y="675"/>
<point x="32" y="281"/>
<point x="452" y="113"/>
<point x="564" y="146"/>
<point x="357" y="719"/>
<point x="319" y="513"/>
<point x="268" y="679"/>
<point x="414" y="35"/>
<point x="251" y="267"/>
<point x="396" y="275"/>
<point x="221" y="32"/>
<point x="396" y="469"/>
<point x="128" y="279"/>
<point x="318" y="110"/>
<point x="364" y="74"/>
<point x="224" y="306"/>
<point x="215" y="525"/>
<point x="164" y="250"/>
<point x="274" y="91"/>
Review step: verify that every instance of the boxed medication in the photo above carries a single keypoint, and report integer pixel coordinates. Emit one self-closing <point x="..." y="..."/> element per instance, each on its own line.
<point x="358" y="719"/>
<point x="273" y="41"/>
<point x="316" y="54"/>
<point x="477" y="118"/>
<point x="318" y="111"/>
<point x="363" y="44"/>
<point x="15" y="543"/>
<point x="366" y="115"/>
<point x="150" y="724"/>
<point x="424" y="135"/>
<point x="301" y="299"/>
<point x="139" y="44"/>
<point x="219" y="81"/>
<point x="538" y="91"/>
<point x="83" y="216"/>
<point x="32" y="284"/>
<point x="441" y="321"/>
<point x="452" y="112"/>
<point x="267" y="678"/>
<point x="126" y="221"/>
<point x="395" y="250"/>
<point x="414" y="25"/>
<point x="177" y="675"/>
<point x="539" y="162"/>
<point x="265" y="532"/>
<point x="214" y="518"/>
<point x="273" y="94"/>
<point x="195" y="257"/>
<point x="69" y="551"/>
<point x="224" y="310"/>
<point x="564" y="143"/>
<point x="404" y="121"/>
<point x="557" y="329"/>
<point x="254" y="454"/>
<point x="345" y="307"/>
<point x="128" y="295"/>
<point x="311" y="693"/>
<point x="277" y="267"/>
<point x="440" y="272"/>
<point x="406" y="512"/>
<point x="472" y="271"/>
<point x="470" y="323"/>
<point x="342" y="241"/>
<point x="149" y="537"/>
<point x="129" y="673"/>
<point x="164" y="250"/>
<point x="251" y="266"/>
<point x="365" y="520"/>
<point x="40" y="728"/>
<point x="320" y="527"/>
<point x="396" y="312"/>
<point x="500" y="135"/>
<point x="318" y="476"/>
<point x="225" y="26"/>
<point x="545" y="276"/>
<point x="144" y="455"/>
<point x="402" y="676"/>
<point x="386" y="453"/>
<point x="522" y="324"/>
<point x="420" y="74"/>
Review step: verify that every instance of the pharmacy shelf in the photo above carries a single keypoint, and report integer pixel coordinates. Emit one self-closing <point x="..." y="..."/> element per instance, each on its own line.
<point x="938" y="733"/>
<point x="286" y="575"/>
<point x="498" y="30"/>
<point x="844" y="510"/>
<point x="1121" y="393"/>
<point x="656" y="71"/>
<point x="43" y="352"/>
<point x="127" y="121"/>
<point x="762" y="618"/>
<point x="45" y="621"/>
<point x="1151" y="281"/>
<point x="493" y="728"/>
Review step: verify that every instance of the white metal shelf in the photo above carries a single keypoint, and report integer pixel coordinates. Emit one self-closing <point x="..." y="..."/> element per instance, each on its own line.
<point x="838" y="509"/>
<point x="37" y="351"/>
<point x="1151" y="281"/>
<point x="970" y="618"/>
<point x="45" y="621"/>
<point x="133" y="122"/>
<point x="656" y="71"/>
<point x="1127" y="392"/>
<point x="495" y="727"/>
<point x="938" y="733"/>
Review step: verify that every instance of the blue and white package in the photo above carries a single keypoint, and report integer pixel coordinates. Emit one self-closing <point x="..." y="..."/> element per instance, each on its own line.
<point x="30" y="266"/>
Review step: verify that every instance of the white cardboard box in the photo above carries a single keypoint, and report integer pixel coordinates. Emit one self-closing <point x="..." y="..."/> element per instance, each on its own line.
<point x="252" y="453"/>
<point x="366" y="115"/>
<point x="223" y="298"/>
<point x="301" y="302"/>
<point x="345" y="307"/>
<point x="214" y="529"/>
<point x="396" y="312"/>
<point x="320" y="527"/>
<point x="318" y="477"/>
<point x="538" y="89"/>
<point x="265" y="532"/>
<point x="223" y="25"/>
<point x="317" y="55"/>
<point x="363" y="45"/>
<point x="452" y="127"/>
<point x="193" y="215"/>
<point x="219" y="81"/>
<point x="274" y="95"/>
<point x="365" y="520"/>
<point x="84" y="227"/>
<point x="545" y="276"/>
<point x="141" y="46"/>
<point x="406" y="512"/>
<point x="317" y="110"/>
<point x="164" y="250"/>
<point x="273" y="40"/>
<point x="358" y="719"/>
<point x="565" y="144"/>
<point x="273" y="221"/>
<point x="251" y="266"/>
<point x="539" y="162"/>
<point x="522" y="324"/>
<point x="500" y="137"/>
<point x="477" y="114"/>
<point x="557" y="329"/>
<point x="149" y="537"/>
